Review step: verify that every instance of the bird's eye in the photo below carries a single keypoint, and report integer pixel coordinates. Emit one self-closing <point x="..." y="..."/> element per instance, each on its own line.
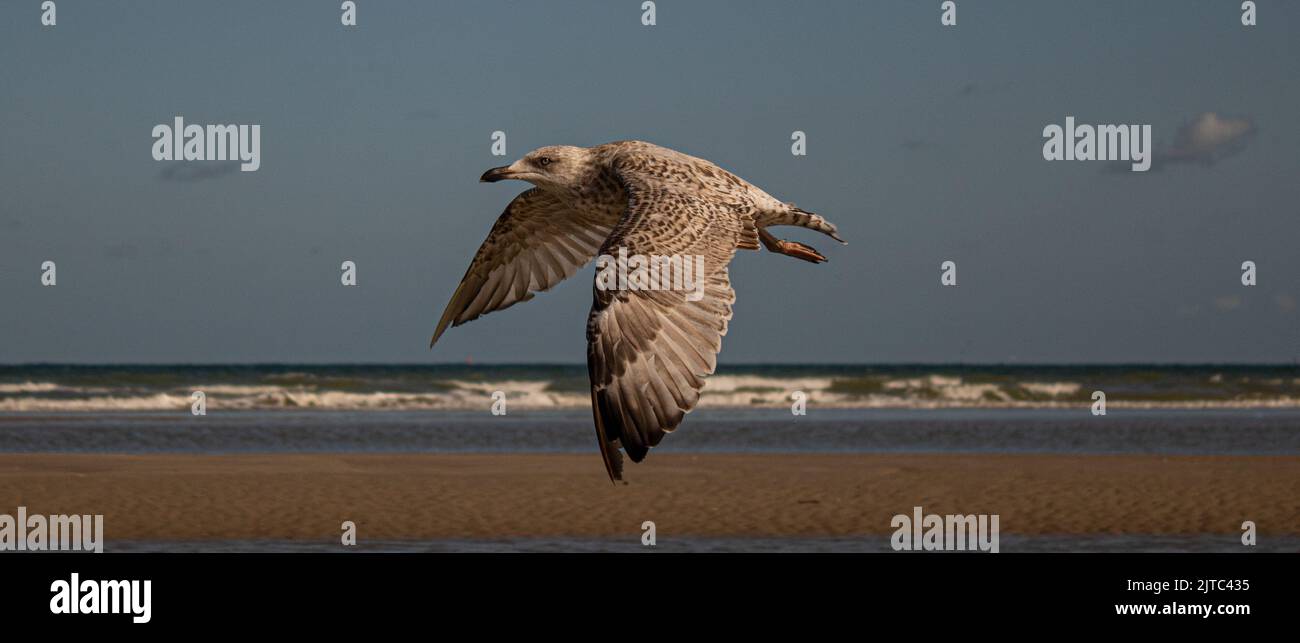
<point x="544" y="161"/>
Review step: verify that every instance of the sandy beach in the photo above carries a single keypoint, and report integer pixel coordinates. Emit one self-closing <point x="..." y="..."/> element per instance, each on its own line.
<point x="417" y="496"/>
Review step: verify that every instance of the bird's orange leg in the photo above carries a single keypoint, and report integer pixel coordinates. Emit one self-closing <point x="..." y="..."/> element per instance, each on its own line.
<point x="789" y="248"/>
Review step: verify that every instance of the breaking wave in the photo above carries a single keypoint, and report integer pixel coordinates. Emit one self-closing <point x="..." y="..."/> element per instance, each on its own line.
<point x="469" y="388"/>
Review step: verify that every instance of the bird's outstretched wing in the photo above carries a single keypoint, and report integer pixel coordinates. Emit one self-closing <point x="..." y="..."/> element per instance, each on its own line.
<point x="536" y="243"/>
<point x="648" y="351"/>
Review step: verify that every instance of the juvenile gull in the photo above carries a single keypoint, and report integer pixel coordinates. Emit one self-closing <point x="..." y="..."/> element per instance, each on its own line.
<point x="648" y="350"/>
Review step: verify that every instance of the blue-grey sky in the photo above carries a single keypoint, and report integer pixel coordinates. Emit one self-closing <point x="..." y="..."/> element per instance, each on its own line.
<point x="924" y="145"/>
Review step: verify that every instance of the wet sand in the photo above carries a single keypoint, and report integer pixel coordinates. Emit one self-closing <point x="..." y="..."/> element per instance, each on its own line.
<point x="423" y="496"/>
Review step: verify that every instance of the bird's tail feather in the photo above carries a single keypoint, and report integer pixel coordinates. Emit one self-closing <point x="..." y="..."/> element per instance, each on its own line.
<point x="795" y="216"/>
<point x="813" y="221"/>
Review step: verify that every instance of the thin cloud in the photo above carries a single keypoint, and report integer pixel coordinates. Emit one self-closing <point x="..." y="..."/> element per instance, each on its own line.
<point x="1205" y="140"/>
<point x="1208" y="139"/>
<point x="192" y="172"/>
<point x="1226" y="303"/>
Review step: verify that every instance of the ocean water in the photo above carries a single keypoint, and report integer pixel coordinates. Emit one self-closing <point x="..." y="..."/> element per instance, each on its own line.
<point x="57" y="388"/>
<point x="294" y="408"/>
<point x="979" y="430"/>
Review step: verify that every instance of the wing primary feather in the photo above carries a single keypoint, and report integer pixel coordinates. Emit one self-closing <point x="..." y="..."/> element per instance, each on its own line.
<point x="528" y="250"/>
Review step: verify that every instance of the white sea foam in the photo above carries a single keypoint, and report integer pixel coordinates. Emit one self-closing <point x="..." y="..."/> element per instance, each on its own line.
<point x="29" y="387"/>
<point x="732" y="383"/>
<point x="932" y="381"/>
<point x="721" y="391"/>
<point x="1051" y="389"/>
<point x="155" y="402"/>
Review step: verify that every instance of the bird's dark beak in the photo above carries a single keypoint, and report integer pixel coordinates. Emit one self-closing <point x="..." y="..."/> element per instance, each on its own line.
<point x="495" y="174"/>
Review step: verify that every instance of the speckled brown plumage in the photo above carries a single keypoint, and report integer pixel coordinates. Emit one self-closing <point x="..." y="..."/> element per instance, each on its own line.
<point x="648" y="351"/>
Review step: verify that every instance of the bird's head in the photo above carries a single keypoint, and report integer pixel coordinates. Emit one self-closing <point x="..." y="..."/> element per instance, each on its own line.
<point x="553" y="167"/>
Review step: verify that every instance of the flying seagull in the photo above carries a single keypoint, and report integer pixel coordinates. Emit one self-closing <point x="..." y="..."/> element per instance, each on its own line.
<point x="648" y="349"/>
